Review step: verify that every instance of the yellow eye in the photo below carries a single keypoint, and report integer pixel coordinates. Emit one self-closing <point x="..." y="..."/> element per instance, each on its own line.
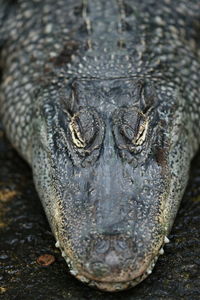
<point x="77" y="139"/>
<point x="141" y="131"/>
<point x="83" y="128"/>
<point x="134" y="126"/>
<point x="130" y="128"/>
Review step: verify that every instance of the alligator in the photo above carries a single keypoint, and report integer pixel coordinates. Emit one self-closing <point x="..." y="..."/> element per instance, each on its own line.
<point x="101" y="98"/>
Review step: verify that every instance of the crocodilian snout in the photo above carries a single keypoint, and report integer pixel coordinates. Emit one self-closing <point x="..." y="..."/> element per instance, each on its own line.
<point x="115" y="262"/>
<point x="113" y="220"/>
<point x="111" y="179"/>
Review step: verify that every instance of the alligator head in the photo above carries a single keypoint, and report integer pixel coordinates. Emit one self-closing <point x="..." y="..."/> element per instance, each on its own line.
<point x="108" y="159"/>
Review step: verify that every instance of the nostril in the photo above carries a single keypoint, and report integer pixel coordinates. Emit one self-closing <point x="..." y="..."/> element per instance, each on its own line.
<point x="121" y="245"/>
<point x="102" y="246"/>
<point x="108" y="255"/>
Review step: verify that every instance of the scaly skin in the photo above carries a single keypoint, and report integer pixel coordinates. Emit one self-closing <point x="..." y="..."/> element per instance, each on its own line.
<point x="102" y="100"/>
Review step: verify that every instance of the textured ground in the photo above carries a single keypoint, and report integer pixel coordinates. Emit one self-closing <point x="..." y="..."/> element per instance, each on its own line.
<point x="25" y="236"/>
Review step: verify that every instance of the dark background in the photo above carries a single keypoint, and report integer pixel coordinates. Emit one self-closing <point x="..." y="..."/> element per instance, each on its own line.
<point x="25" y="235"/>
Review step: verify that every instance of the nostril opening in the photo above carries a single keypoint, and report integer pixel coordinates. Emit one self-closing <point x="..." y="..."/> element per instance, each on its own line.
<point x="102" y="246"/>
<point x="121" y="245"/>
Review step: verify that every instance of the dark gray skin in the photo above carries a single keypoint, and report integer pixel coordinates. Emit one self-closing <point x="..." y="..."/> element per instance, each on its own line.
<point x="95" y="96"/>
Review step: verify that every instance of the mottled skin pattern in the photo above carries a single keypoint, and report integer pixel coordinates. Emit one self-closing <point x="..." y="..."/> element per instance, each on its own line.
<point x="102" y="99"/>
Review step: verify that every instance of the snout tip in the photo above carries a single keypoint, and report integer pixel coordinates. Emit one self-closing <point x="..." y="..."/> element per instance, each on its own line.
<point x="114" y="266"/>
<point x="112" y="277"/>
<point x="112" y="263"/>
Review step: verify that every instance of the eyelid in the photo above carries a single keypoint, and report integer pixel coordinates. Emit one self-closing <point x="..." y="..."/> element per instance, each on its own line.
<point x="140" y="138"/>
<point x="130" y="128"/>
<point x="78" y="134"/>
<point x="76" y="137"/>
<point x="86" y="129"/>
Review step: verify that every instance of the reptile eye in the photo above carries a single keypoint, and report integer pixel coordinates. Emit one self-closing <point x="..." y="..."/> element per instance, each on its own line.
<point x="134" y="126"/>
<point x="130" y="128"/>
<point x="83" y="128"/>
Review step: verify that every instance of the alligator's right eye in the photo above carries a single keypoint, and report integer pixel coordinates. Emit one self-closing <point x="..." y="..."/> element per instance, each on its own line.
<point x="86" y="130"/>
<point x="83" y="128"/>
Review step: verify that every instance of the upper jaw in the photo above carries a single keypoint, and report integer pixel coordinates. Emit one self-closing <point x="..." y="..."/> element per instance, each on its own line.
<point x="115" y="282"/>
<point x="118" y="284"/>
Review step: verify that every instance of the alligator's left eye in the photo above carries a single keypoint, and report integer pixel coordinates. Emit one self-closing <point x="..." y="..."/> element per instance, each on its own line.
<point x="130" y="128"/>
<point x="134" y="127"/>
<point x="83" y="128"/>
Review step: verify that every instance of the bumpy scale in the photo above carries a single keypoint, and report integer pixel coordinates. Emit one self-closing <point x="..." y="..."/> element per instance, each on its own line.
<point x="102" y="100"/>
